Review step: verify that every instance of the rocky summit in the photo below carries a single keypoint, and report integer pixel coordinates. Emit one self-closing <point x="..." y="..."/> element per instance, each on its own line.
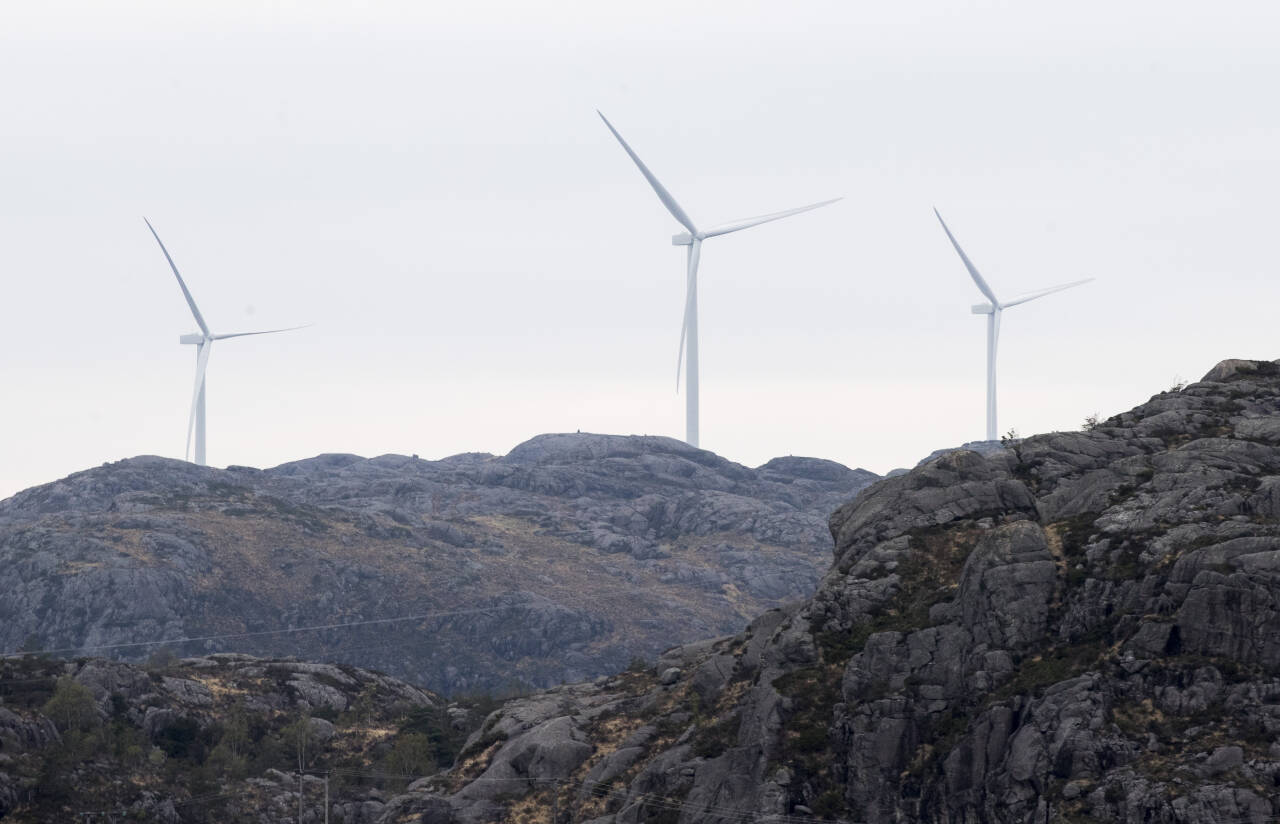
<point x="563" y="560"/>
<point x="1082" y="627"/>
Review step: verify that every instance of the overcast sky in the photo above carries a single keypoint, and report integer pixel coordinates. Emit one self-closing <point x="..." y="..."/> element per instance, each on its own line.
<point x="429" y="185"/>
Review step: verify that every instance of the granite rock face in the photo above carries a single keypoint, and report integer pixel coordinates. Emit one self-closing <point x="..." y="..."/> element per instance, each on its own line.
<point x="1082" y="626"/>
<point x="564" y="560"/>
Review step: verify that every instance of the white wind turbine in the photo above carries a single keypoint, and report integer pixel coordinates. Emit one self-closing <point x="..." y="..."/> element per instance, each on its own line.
<point x="992" y="310"/>
<point x="693" y="239"/>
<point x="204" y="343"/>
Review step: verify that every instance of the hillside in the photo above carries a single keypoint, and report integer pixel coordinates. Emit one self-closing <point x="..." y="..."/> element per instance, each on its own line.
<point x="214" y="739"/>
<point x="563" y="560"/>
<point x="1084" y="626"/>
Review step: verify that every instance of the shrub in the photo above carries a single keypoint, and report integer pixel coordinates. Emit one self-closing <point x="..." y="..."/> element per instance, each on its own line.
<point x="435" y="727"/>
<point x="181" y="739"/>
<point x="714" y="738"/>
<point x="829" y="805"/>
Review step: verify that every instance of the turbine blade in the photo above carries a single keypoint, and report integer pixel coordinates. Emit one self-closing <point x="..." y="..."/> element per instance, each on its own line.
<point x="201" y="362"/>
<point x="658" y="188"/>
<point x="748" y="222"/>
<point x="691" y="282"/>
<point x="973" y="271"/>
<point x="263" y="332"/>
<point x="185" y="292"/>
<point x="1043" y="292"/>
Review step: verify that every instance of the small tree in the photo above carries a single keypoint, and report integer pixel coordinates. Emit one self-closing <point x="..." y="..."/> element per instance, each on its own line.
<point x="235" y="734"/>
<point x="1091" y="422"/>
<point x="412" y="754"/>
<point x="224" y="762"/>
<point x="300" y="737"/>
<point x="72" y="707"/>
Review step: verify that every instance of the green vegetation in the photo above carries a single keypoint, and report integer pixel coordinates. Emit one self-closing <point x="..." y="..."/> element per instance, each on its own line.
<point x="115" y="752"/>
<point x="71" y="707"/>
<point x="412" y="754"/>
<point x="813" y="693"/>
<point x="1055" y="665"/>
<point x="431" y="730"/>
<point x="714" y="738"/>
<point x="830" y="804"/>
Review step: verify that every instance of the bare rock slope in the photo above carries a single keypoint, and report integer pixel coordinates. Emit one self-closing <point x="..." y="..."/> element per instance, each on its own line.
<point x="562" y="560"/>
<point x="1085" y="626"/>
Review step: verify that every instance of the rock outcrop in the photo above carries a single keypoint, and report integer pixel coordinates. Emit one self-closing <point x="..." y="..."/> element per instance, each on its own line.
<point x="564" y="560"/>
<point x="1083" y="626"/>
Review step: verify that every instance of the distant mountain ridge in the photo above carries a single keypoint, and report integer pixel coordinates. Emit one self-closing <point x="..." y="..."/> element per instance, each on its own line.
<point x="564" y="559"/>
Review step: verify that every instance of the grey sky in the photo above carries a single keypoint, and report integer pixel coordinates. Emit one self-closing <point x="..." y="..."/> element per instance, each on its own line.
<point x="429" y="184"/>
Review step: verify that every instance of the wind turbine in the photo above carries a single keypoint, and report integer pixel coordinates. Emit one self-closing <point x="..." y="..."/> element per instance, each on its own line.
<point x="992" y="310"/>
<point x="693" y="240"/>
<point x="203" y="343"/>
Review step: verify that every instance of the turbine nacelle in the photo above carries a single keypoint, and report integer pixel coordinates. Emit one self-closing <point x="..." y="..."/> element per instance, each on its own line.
<point x="196" y="339"/>
<point x="982" y="309"/>
<point x="682" y="239"/>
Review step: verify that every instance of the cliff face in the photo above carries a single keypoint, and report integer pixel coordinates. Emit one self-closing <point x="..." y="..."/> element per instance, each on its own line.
<point x="1084" y="626"/>
<point x="563" y="560"/>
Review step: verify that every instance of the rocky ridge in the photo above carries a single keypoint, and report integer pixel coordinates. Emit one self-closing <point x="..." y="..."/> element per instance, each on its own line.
<point x="1083" y="626"/>
<point x="565" y="559"/>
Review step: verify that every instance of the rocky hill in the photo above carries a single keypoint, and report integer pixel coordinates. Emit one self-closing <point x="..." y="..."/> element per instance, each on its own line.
<point x="1082" y="627"/>
<point x="214" y="739"/>
<point x="563" y="560"/>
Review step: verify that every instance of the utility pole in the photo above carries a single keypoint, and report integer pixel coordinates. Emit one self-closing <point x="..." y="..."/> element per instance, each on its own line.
<point x="1047" y="802"/>
<point x="303" y="732"/>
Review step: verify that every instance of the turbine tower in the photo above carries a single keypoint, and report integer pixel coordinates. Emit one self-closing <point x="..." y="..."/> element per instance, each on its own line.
<point x="692" y="239"/>
<point x="992" y="310"/>
<point x="203" y="343"/>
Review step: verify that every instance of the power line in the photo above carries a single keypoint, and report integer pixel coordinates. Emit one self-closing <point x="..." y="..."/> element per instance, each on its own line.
<point x="258" y="634"/>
